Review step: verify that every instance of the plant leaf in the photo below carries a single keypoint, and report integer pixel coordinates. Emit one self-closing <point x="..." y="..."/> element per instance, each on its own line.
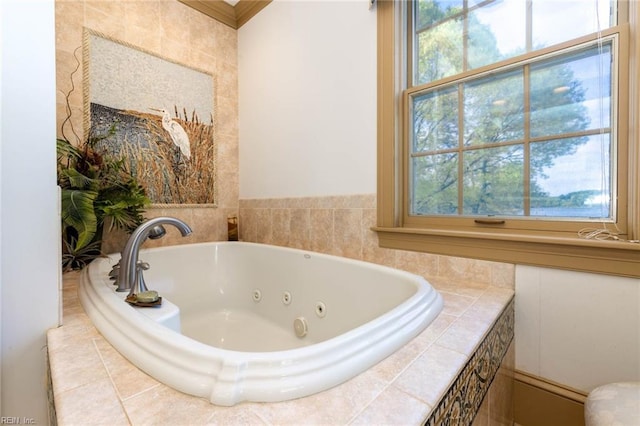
<point x="65" y="150"/>
<point x="79" y="181"/>
<point x="74" y="258"/>
<point x="78" y="212"/>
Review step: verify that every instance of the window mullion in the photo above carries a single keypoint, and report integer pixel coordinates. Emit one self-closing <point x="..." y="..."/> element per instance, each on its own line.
<point x="465" y="67"/>
<point x="411" y="46"/>
<point x="465" y="35"/>
<point x="529" y="26"/>
<point x="527" y="138"/>
<point x="460" y="147"/>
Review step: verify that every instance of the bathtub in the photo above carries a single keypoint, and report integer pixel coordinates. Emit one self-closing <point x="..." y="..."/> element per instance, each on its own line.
<point x="252" y="322"/>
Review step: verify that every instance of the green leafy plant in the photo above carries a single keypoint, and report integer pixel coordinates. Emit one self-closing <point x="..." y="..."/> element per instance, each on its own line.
<point x="95" y="187"/>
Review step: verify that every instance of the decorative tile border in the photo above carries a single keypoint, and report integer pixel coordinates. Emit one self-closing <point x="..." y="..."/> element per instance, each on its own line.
<point x="463" y="399"/>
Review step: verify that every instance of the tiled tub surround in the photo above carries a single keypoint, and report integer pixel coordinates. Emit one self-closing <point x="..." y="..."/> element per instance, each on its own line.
<point x="341" y="225"/>
<point x="453" y="360"/>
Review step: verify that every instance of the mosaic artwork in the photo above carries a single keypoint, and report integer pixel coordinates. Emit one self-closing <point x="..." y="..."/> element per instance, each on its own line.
<point x="155" y="114"/>
<point x="463" y="399"/>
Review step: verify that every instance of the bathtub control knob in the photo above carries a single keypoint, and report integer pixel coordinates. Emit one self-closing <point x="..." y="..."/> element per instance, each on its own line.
<point x="300" y="326"/>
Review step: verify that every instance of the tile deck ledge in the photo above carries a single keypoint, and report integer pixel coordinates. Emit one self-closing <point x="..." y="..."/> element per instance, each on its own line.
<point x="93" y="384"/>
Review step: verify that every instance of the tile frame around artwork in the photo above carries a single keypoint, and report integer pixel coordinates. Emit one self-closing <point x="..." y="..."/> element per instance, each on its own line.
<point x="176" y="158"/>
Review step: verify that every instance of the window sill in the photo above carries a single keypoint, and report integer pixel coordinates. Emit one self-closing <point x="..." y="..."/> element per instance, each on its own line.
<point x="598" y="256"/>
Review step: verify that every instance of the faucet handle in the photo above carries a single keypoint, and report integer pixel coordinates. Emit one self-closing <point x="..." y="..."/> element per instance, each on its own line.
<point x="139" y="286"/>
<point x="115" y="270"/>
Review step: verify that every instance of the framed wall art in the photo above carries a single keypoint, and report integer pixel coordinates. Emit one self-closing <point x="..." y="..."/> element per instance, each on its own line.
<point x="155" y="114"/>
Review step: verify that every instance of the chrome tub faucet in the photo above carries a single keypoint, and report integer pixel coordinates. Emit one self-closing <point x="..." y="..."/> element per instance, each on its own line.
<point x="129" y="274"/>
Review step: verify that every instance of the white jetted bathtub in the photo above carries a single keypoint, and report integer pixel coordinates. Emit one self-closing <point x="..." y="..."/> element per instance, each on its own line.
<point x="252" y="322"/>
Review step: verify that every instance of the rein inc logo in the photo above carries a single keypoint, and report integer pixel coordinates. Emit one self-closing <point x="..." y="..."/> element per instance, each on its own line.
<point x="17" y="420"/>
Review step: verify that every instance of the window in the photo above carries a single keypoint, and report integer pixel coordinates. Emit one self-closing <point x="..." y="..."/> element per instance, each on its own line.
<point x="504" y="131"/>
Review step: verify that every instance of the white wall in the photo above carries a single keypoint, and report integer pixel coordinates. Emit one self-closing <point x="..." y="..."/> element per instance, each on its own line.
<point x="29" y="263"/>
<point x="578" y="329"/>
<point x="1" y="80"/>
<point x="307" y="79"/>
<point x="307" y="127"/>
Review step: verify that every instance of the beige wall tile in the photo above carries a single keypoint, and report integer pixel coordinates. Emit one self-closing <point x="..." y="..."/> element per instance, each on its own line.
<point x="78" y="364"/>
<point x="127" y="379"/>
<point x="455" y="304"/>
<point x="264" y="231"/>
<point x="462" y="335"/>
<point x="226" y="42"/>
<point x="67" y="65"/>
<point x="233" y="416"/>
<point x="468" y="269"/>
<point x="143" y="14"/>
<point x="391" y="367"/>
<point x="201" y="30"/>
<point x="210" y="224"/>
<point x="423" y="264"/>
<point x="90" y="404"/>
<point x="226" y="116"/>
<point x="174" y="49"/>
<point x="100" y="17"/>
<point x="300" y="228"/>
<point x="503" y="275"/>
<point x="205" y="60"/>
<point x="281" y="226"/>
<point x="247" y="224"/>
<point x="390" y="408"/>
<point x="72" y="129"/>
<point x="482" y="416"/>
<point x="348" y="232"/>
<point x="341" y="225"/>
<point x="145" y="39"/>
<point x="501" y="407"/>
<point x="175" y="22"/>
<point x="227" y="161"/>
<point x="371" y="252"/>
<point x="344" y="401"/>
<point x="321" y="232"/>
<point x="228" y="189"/>
<point x="444" y="363"/>
<point x="176" y="32"/>
<point x="69" y="21"/>
<point x="173" y="407"/>
<point x="489" y="304"/>
<point x="109" y="8"/>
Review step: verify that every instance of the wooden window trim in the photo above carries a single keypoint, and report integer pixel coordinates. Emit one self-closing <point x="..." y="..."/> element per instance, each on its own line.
<point x="557" y="250"/>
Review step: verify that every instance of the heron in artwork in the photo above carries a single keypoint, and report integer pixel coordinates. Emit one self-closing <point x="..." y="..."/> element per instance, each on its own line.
<point x="177" y="133"/>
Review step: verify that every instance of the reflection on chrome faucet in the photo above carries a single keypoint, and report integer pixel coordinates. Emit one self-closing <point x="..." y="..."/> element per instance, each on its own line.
<point x="130" y="271"/>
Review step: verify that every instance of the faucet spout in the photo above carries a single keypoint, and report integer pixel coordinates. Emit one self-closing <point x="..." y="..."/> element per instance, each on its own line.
<point x="129" y="260"/>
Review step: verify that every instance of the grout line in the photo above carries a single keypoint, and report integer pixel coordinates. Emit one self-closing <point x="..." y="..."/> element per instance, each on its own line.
<point x="113" y="385"/>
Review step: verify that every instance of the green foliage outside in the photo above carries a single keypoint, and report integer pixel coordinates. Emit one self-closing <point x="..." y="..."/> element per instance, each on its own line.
<point x="493" y="123"/>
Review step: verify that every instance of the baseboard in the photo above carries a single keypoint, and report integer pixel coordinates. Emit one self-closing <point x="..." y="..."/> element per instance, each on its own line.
<point x="541" y="402"/>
